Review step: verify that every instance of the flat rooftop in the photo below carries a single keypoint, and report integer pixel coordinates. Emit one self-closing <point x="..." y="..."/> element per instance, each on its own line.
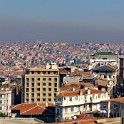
<point x="105" y="53"/>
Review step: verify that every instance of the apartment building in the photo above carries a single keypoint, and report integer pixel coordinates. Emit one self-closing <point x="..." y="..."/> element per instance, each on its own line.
<point x="108" y="74"/>
<point x="41" y="84"/>
<point x="6" y="100"/>
<point x="112" y="107"/>
<point x="103" y="58"/>
<point x="78" y="101"/>
<point x="121" y="69"/>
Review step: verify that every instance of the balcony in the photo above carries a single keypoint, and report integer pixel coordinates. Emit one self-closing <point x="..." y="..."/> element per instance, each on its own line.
<point x="59" y="103"/>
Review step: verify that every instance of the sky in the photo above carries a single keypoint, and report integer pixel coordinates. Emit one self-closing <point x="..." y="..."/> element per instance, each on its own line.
<point x="62" y="20"/>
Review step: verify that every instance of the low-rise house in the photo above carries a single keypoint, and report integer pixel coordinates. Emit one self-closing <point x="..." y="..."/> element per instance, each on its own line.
<point x="44" y="112"/>
<point x="77" y="101"/>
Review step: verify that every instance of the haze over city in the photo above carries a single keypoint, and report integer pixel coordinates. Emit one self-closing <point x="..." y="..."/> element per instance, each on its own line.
<point x="61" y="62"/>
<point x="65" y="20"/>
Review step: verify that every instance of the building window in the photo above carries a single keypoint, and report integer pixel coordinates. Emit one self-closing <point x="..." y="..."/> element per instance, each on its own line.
<point x="55" y="79"/>
<point x="44" y="79"/>
<point x="0" y="101"/>
<point x="57" y="110"/>
<point x="72" y="109"/>
<point x="49" y="79"/>
<point x="70" y="98"/>
<point x="32" y="72"/>
<point x="104" y="106"/>
<point x="105" y="76"/>
<point x="32" y="95"/>
<point x="55" y="84"/>
<point x="32" y="79"/>
<point x="27" y="84"/>
<point x="32" y="100"/>
<point x="76" y="98"/>
<point x="38" y="72"/>
<point x="38" y="94"/>
<point x="59" y="99"/>
<point x="49" y="94"/>
<point x="48" y="72"/>
<point x="49" y="84"/>
<point x="44" y="72"/>
<point x="44" y="94"/>
<point x="27" y="90"/>
<point x="38" y="84"/>
<point x="49" y="99"/>
<point x="32" y="89"/>
<point x="38" y="100"/>
<point x="55" y="89"/>
<point x="44" y="99"/>
<point x="44" y="84"/>
<point x="38" y="79"/>
<point x="115" y="105"/>
<point x="49" y="89"/>
<point x="99" y="96"/>
<point x="38" y="89"/>
<point x="32" y="84"/>
<point x="44" y="89"/>
<point x="27" y="79"/>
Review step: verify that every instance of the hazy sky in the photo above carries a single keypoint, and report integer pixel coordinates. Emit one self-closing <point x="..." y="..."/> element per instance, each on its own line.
<point x="62" y="20"/>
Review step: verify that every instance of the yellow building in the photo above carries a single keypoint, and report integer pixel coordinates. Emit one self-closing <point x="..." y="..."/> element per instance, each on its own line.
<point x="41" y="84"/>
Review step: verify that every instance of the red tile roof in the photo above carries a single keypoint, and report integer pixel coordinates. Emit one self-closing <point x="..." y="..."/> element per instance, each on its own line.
<point x="77" y="92"/>
<point x="78" y="121"/>
<point x="33" y="109"/>
<point x="86" y="116"/>
<point x="82" y="73"/>
<point x="61" y="71"/>
<point x="120" y="99"/>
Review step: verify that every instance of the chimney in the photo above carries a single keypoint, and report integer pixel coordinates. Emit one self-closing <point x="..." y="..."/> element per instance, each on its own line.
<point x="88" y="91"/>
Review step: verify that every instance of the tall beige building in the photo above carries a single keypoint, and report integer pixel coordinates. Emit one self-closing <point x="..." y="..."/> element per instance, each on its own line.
<point x="41" y="84"/>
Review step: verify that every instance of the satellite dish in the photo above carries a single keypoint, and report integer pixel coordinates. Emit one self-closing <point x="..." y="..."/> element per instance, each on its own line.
<point x="75" y="117"/>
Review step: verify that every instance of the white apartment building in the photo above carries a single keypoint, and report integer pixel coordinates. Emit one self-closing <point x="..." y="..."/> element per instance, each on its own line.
<point x="75" y="102"/>
<point x="103" y="58"/>
<point x="109" y="74"/>
<point x="5" y="101"/>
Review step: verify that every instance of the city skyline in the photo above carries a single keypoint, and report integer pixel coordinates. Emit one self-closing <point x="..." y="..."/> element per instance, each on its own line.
<point x="68" y="21"/>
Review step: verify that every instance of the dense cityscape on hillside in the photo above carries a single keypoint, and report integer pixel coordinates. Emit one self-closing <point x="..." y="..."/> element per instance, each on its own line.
<point x="61" y="62"/>
<point x="62" y="82"/>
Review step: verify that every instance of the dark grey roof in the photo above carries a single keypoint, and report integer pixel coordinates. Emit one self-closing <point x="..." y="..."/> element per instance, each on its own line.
<point x="104" y="69"/>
